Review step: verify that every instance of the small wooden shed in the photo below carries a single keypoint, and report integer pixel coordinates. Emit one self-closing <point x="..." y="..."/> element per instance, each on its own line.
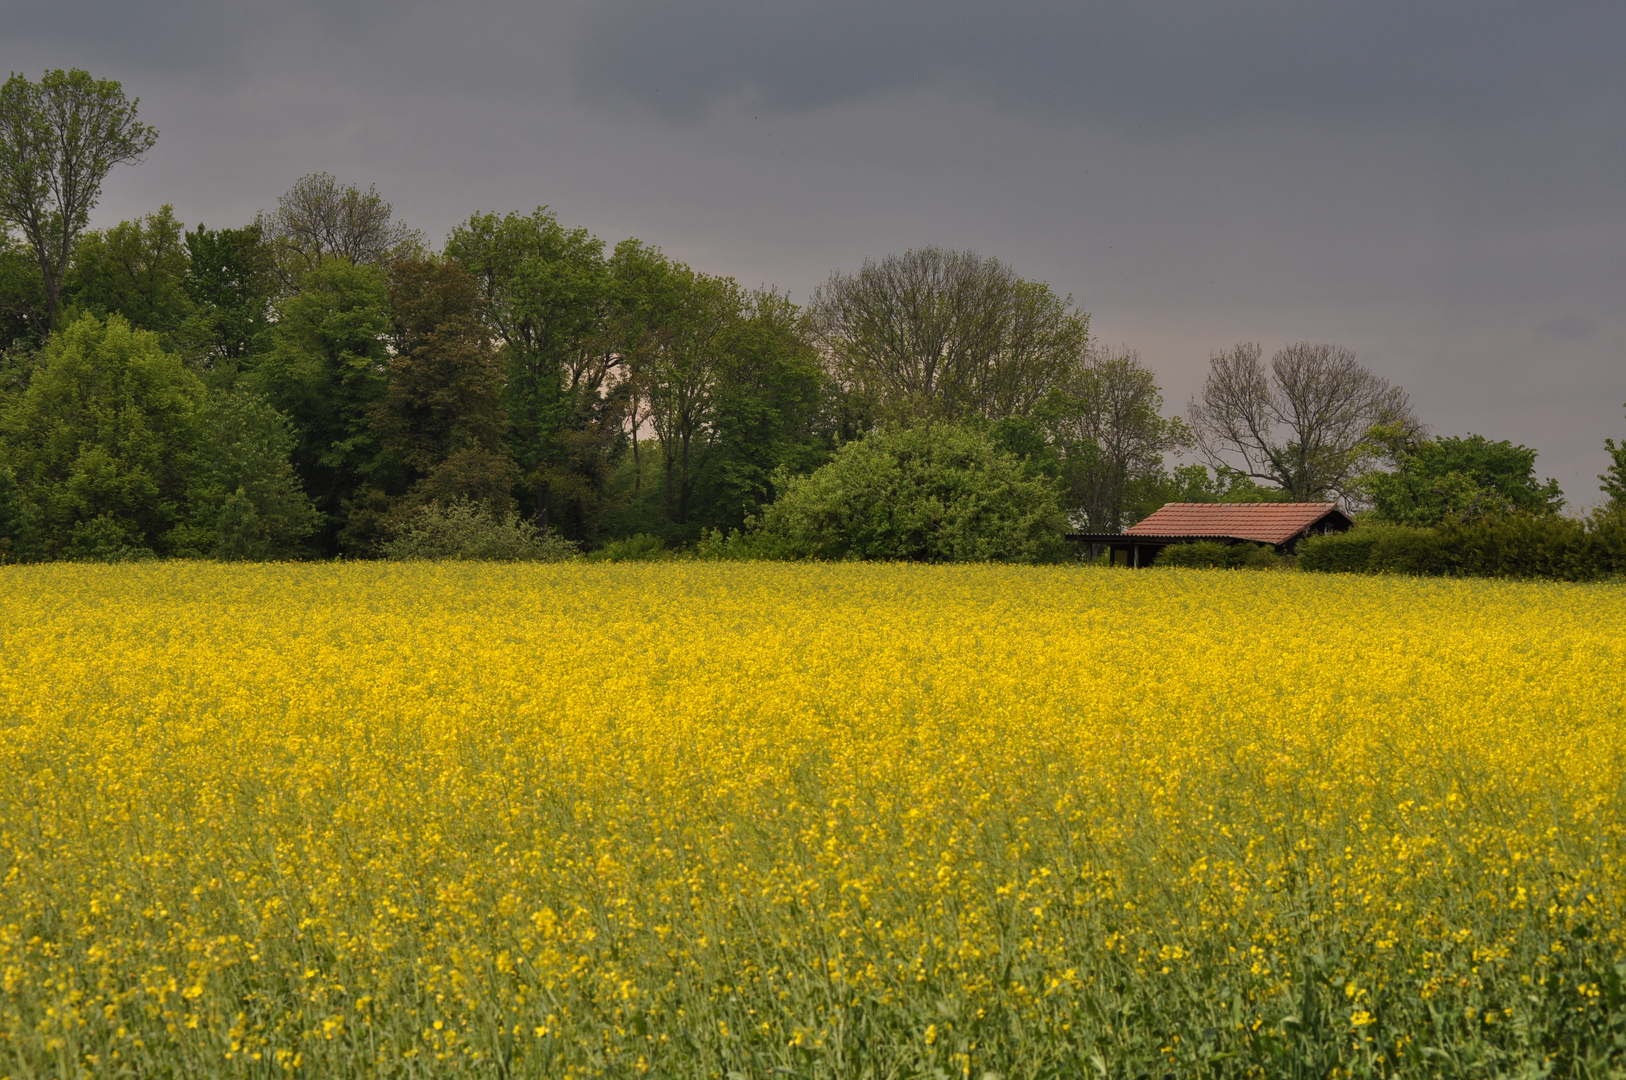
<point x="1282" y="525"/>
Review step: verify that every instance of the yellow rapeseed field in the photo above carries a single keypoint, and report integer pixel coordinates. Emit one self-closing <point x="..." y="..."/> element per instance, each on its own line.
<point x="757" y="820"/>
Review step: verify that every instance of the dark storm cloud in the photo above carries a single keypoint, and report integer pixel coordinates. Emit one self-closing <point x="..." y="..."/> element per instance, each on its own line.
<point x="1437" y="185"/>
<point x="1156" y="62"/>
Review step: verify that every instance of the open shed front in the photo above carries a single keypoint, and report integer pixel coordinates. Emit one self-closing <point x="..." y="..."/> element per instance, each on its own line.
<point x="1281" y="525"/>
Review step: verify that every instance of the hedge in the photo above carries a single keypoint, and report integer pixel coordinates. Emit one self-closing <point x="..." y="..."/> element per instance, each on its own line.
<point x="1517" y="546"/>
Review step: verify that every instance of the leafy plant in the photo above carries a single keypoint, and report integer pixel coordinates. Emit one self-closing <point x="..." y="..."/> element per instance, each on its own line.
<point x="1213" y="555"/>
<point x="937" y="493"/>
<point x="468" y="530"/>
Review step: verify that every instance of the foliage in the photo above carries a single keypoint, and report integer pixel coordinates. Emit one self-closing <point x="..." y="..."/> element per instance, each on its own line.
<point x="640" y="547"/>
<point x="19" y="525"/>
<point x="22" y="297"/>
<point x="1461" y="478"/>
<point x="1104" y="421"/>
<point x="1515" y="546"/>
<point x="738" y="546"/>
<point x="930" y="494"/>
<point x="1614" y="480"/>
<point x="247" y="491"/>
<point x="230" y="278"/>
<point x="821" y="821"/>
<point x="137" y="269"/>
<point x="1197" y="483"/>
<point x="936" y="334"/>
<point x="326" y="368"/>
<point x="1307" y="427"/>
<point x="1213" y="555"/>
<point x="1340" y="553"/>
<point x="548" y="297"/>
<point x="106" y="438"/>
<point x="59" y="138"/>
<point x="471" y="530"/>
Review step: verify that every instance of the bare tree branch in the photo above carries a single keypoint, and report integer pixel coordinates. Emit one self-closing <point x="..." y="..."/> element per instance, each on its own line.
<point x="941" y="334"/>
<point x="1306" y="427"/>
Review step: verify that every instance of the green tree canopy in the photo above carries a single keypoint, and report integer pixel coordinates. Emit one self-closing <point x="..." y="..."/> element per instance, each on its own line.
<point x="1461" y="478"/>
<point x="59" y="138"/>
<point x="230" y="278"/>
<point x="1614" y="480"/>
<point x="766" y="413"/>
<point x="938" y="493"/>
<point x="549" y="299"/>
<point x="104" y="443"/>
<point x="137" y="269"/>
<point x="22" y="297"/>
<point x="439" y="425"/>
<point x="326" y="367"/>
<point x="247" y="501"/>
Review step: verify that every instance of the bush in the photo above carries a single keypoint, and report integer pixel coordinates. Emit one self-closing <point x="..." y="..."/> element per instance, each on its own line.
<point x="641" y="547"/>
<point x="103" y="539"/>
<point x="469" y="530"/>
<point x="926" y="494"/>
<point x="1520" y="546"/>
<point x="1338" y="553"/>
<point x="1372" y="547"/>
<point x="740" y="547"/>
<point x="1514" y="546"/>
<point x="1606" y="540"/>
<point x="1213" y="555"/>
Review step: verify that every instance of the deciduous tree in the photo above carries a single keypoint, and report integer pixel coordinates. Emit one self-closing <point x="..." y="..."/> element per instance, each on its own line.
<point x="106" y="439"/>
<point x="1306" y="426"/>
<point x="1614" y="480"/>
<point x="59" y="138"/>
<point x="231" y="279"/>
<point x="137" y="269"/>
<point x="548" y="298"/>
<point x="938" y="493"/>
<point x="1462" y="478"/>
<point x="326" y="367"/>
<point x="939" y="334"/>
<point x="319" y="219"/>
<point x="1106" y="424"/>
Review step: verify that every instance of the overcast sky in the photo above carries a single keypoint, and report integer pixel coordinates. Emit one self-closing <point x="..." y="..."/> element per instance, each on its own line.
<point x="1439" y="186"/>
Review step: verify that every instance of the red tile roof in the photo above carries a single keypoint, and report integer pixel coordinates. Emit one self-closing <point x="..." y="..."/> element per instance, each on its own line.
<point x="1267" y="523"/>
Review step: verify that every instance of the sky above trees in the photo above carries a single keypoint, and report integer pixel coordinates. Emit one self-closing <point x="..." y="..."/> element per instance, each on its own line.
<point x="1438" y="188"/>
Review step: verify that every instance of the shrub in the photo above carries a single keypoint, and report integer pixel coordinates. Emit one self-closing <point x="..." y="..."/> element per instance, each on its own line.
<point x="1606" y="540"/>
<point x="1338" y="553"/>
<point x="1406" y="550"/>
<point x="926" y="494"/>
<point x="469" y="530"/>
<point x="1520" y="545"/>
<point x="739" y="546"/>
<point x="1213" y="555"/>
<point x="641" y="547"/>
<point x="1515" y="546"/>
<point x="104" y="539"/>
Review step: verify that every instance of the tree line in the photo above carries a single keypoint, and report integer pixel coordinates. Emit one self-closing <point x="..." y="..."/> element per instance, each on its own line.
<point x="320" y="381"/>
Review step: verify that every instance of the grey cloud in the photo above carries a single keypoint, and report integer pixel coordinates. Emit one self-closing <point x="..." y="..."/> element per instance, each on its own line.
<point x="1154" y="62"/>
<point x="1424" y="182"/>
<point x="1569" y="327"/>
